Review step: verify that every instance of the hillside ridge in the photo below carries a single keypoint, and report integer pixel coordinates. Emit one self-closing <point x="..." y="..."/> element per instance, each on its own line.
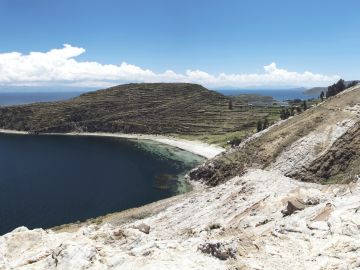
<point x="311" y="141"/>
<point x="157" y="108"/>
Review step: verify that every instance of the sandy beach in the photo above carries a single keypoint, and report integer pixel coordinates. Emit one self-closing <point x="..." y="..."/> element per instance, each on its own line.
<point x="196" y="147"/>
<point x="8" y="131"/>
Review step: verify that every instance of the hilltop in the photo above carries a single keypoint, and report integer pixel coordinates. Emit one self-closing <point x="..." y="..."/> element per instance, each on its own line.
<point x="315" y="90"/>
<point x="131" y="108"/>
<point x="147" y="108"/>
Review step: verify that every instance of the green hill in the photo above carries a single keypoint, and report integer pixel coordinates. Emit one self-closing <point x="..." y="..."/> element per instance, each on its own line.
<point x="159" y="108"/>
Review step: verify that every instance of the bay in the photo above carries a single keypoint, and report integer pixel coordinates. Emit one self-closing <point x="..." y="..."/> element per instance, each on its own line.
<point x="49" y="180"/>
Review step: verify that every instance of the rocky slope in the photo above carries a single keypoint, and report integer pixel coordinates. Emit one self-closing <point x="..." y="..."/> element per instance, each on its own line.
<point x="319" y="145"/>
<point x="260" y="218"/>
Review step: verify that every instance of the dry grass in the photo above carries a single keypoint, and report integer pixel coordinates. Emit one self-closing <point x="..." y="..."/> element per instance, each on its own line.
<point x="264" y="150"/>
<point x="180" y="109"/>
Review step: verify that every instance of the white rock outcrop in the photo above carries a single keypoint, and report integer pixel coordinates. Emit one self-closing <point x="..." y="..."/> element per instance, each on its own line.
<point x="301" y="153"/>
<point x="237" y="225"/>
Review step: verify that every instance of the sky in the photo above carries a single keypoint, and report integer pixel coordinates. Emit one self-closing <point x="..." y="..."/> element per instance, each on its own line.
<point x="217" y="43"/>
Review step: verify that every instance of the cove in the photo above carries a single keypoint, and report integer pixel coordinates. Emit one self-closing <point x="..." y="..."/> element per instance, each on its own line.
<point x="47" y="181"/>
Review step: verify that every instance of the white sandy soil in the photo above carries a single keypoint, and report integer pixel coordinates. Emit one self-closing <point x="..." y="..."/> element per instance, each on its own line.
<point x="195" y="147"/>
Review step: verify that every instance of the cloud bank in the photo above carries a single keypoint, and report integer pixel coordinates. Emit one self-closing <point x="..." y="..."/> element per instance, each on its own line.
<point x="60" y="67"/>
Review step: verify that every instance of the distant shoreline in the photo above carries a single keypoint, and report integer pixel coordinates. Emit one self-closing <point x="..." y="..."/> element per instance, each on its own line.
<point x="277" y="94"/>
<point x="196" y="147"/>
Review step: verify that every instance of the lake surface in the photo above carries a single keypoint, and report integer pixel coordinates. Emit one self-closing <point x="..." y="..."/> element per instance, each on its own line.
<point x="280" y="94"/>
<point x="17" y="98"/>
<point x="51" y="180"/>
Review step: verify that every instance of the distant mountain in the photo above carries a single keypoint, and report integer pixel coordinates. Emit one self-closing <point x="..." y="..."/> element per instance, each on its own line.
<point x="318" y="90"/>
<point x="250" y="98"/>
<point x="315" y="90"/>
<point x="261" y="88"/>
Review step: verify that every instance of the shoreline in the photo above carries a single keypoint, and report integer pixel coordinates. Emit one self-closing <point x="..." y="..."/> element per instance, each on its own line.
<point x="199" y="148"/>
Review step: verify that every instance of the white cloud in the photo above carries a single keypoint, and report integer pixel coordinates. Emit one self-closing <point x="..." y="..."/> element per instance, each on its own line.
<point x="60" y="67"/>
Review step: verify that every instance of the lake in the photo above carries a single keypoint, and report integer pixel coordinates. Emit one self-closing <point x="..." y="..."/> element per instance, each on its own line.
<point x="17" y="98"/>
<point x="51" y="180"/>
<point x="277" y="94"/>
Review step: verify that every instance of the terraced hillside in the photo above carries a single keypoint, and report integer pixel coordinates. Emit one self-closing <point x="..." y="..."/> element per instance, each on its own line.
<point x="320" y="145"/>
<point x="171" y="108"/>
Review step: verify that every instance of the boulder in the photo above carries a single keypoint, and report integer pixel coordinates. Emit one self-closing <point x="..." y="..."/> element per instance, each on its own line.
<point x="143" y="228"/>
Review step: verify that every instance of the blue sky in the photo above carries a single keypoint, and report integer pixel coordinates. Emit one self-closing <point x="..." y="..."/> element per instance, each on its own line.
<point x="207" y="38"/>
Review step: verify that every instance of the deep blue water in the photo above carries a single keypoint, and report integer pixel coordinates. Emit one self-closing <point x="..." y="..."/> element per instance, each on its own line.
<point x="16" y="98"/>
<point x="51" y="180"/>
<point x="278" y="94"/>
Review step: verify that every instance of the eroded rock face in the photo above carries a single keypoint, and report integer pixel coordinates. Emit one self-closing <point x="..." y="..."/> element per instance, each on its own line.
<point x="211" y="171"/>
<point x="320" y="145"/>
<point x="341" y="159"/>
<point x="304" y="151"/>
<point x="250" y="232"/>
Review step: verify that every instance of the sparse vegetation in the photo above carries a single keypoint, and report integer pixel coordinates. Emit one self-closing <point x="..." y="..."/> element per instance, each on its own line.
<point x="183" y="110"/>
<point x="338" y="87"/>
<point x="235" y="142"/>
<point x="214" y="226"/>
<point x="259" y="126"/>
<point x="265" y="149"/>
<point x="305" y="106"/>
<point x="335" y="88"/>
<point x="262" y="125"/>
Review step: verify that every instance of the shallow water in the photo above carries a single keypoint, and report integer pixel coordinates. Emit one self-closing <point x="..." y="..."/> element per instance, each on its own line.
<point x="51" y="180"/>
